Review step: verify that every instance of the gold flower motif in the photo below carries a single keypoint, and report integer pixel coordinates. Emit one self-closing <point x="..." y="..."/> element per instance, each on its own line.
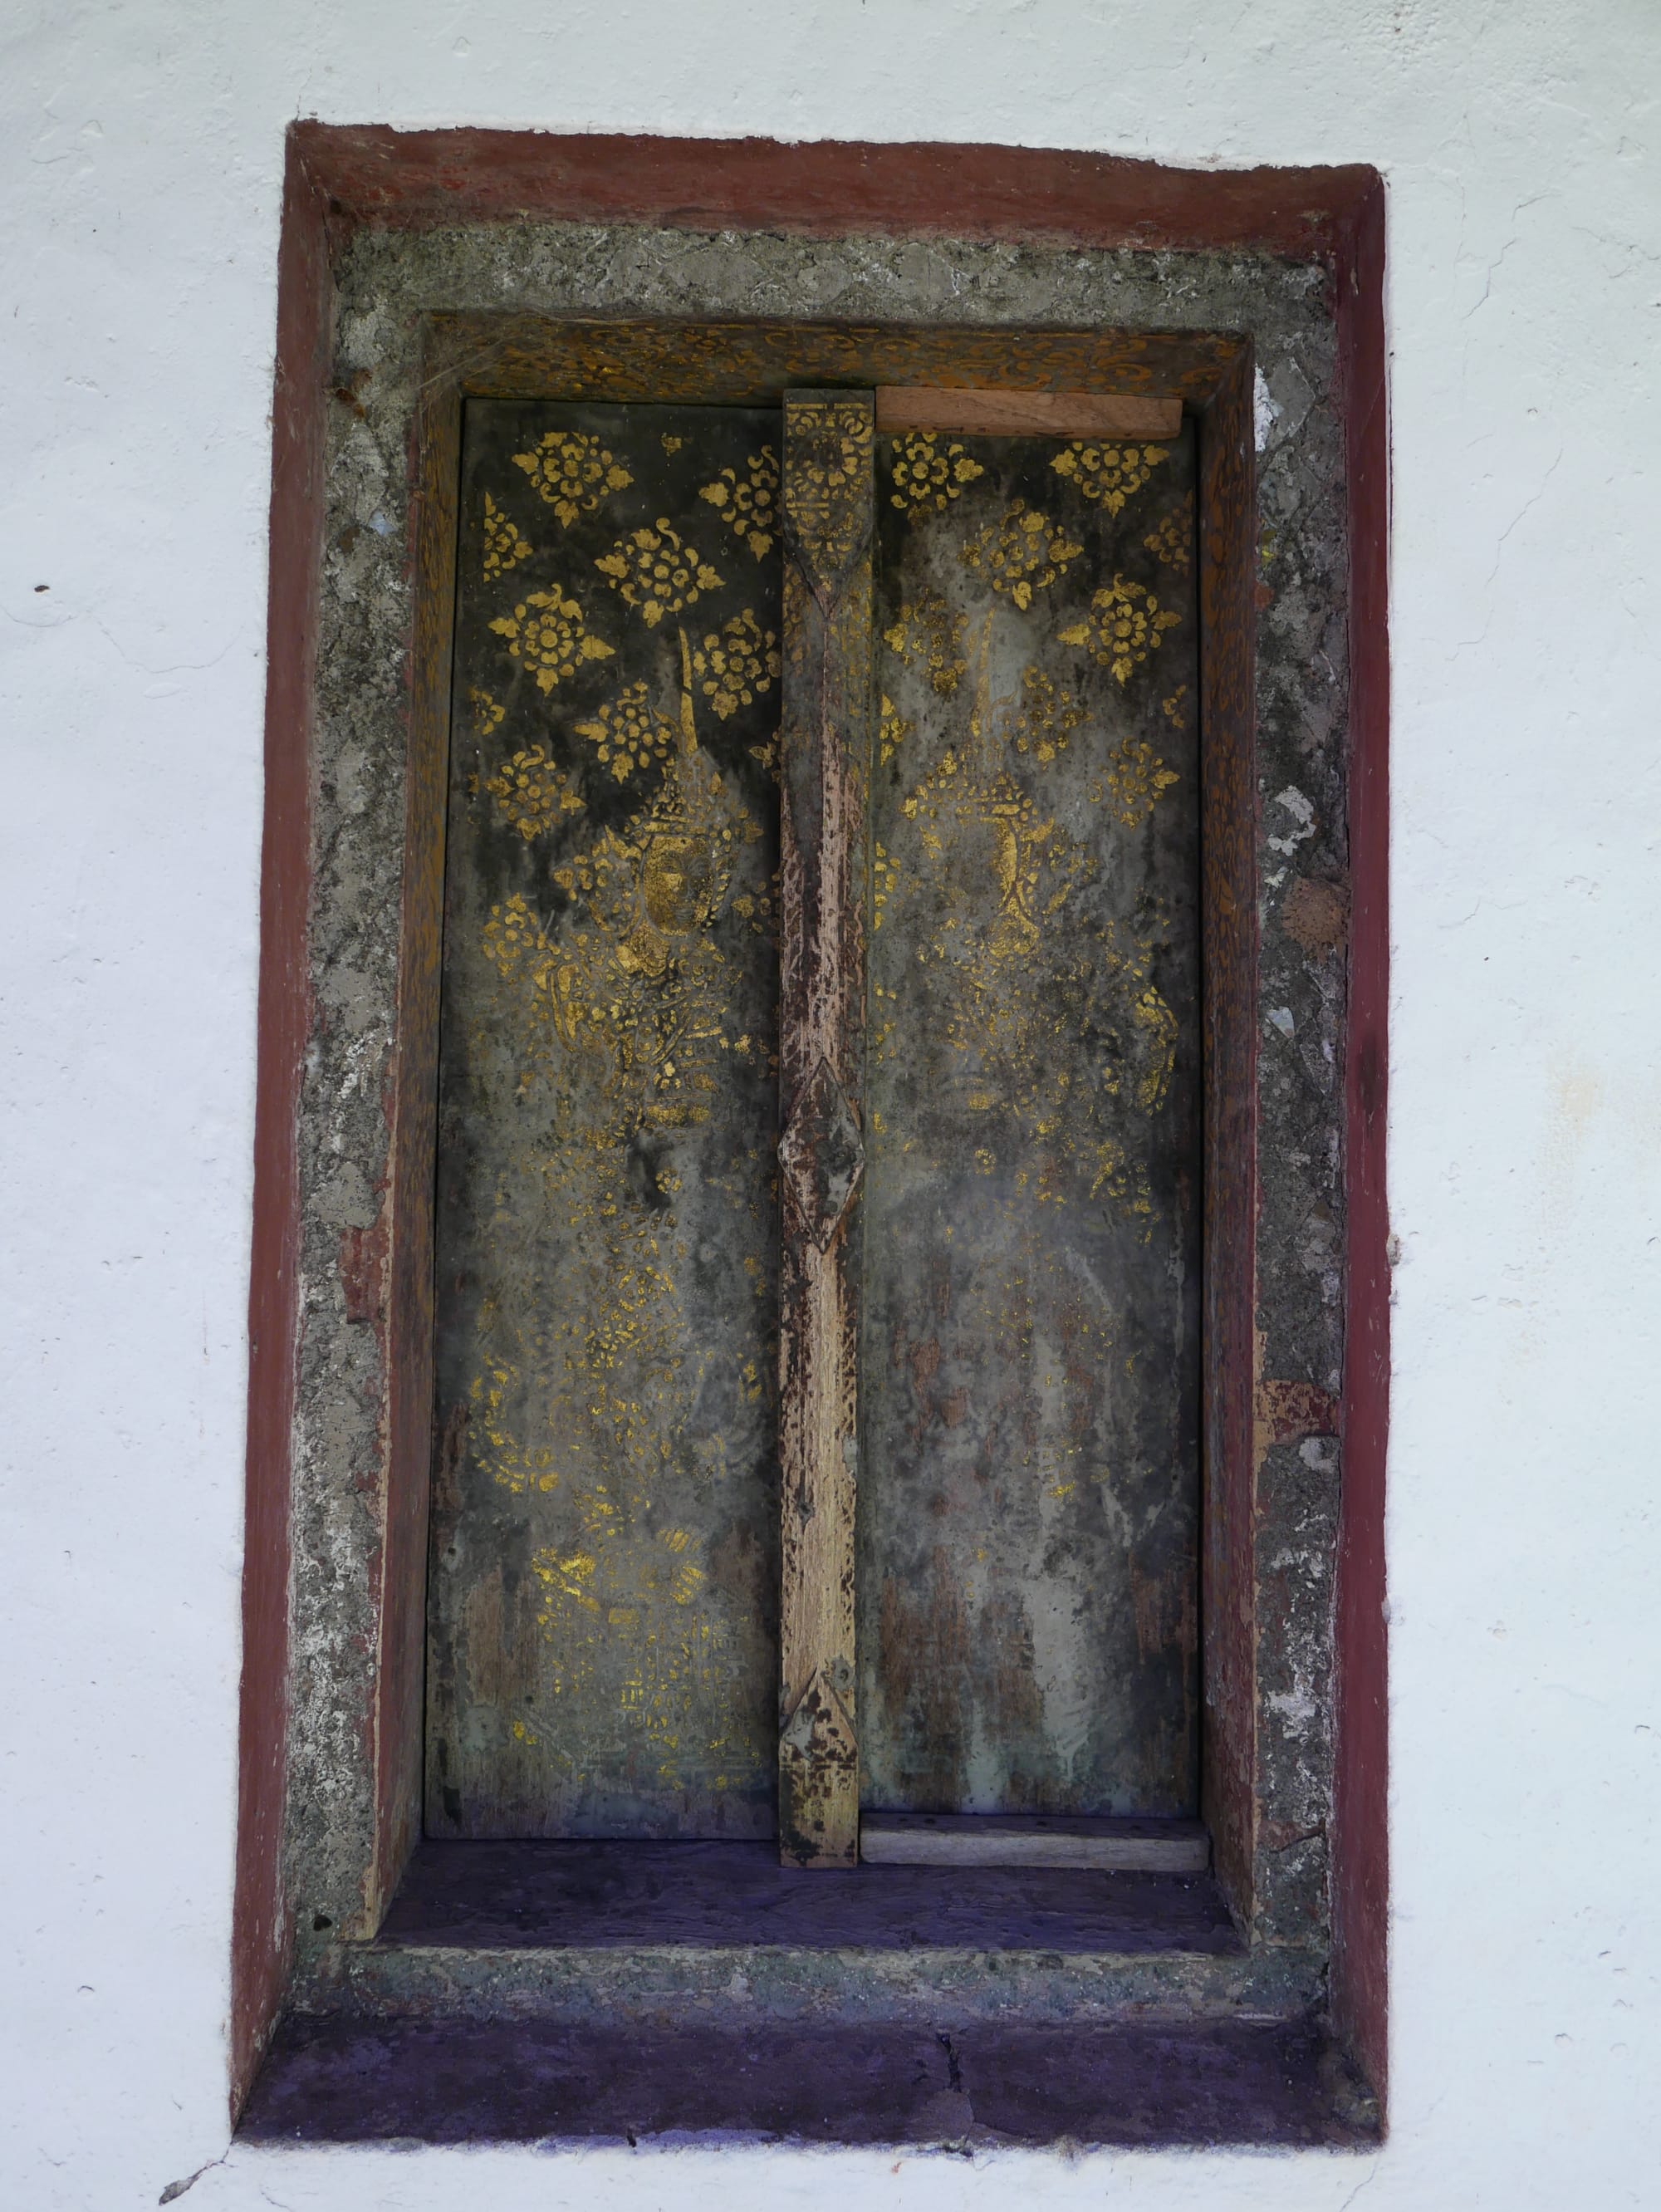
<point x="1108" y="473"/>
<point x="930" y="633"/>
<point x="924" y="476"/>
<point x="511" y="933"/>
<point x="656" y="573"/>
<point x="627" y="733"/>
<point x="748" y="506"/>
<point x="1172" y="707"/>
<point x="545" y="632"/>
<point x="532" y="793"/>
<point x="1024" y="554"/>
<point x="892" y="729"/>
<point x="736" y="664"/>
<point x="1126" y="623"/>
<point x="488" y="713"/>
<point x="1169" y="540"/>
<point x="885" y="876"/>
<point x="572" y="472"/>
<point x="1135" y="778"/>
<point x="1045" y="717"/>
<point x="504" y="548"/>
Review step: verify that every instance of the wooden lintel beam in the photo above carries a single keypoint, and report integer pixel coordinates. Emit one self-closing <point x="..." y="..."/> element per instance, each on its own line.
<point x="1008" y="414"/>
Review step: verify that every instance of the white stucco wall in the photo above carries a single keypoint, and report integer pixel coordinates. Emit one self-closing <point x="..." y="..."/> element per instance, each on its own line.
<point x="140" y="158"/>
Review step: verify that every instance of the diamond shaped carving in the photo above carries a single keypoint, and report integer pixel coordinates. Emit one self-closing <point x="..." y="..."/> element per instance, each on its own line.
<point x="822" y="1154"/>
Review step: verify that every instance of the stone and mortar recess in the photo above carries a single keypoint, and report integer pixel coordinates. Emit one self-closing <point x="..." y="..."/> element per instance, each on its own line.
<point x="387" y="282"/>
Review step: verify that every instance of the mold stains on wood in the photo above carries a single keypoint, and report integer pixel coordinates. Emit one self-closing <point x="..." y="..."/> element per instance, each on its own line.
<point x="606" y="1226"/>
<point x="1031" y="1393"/>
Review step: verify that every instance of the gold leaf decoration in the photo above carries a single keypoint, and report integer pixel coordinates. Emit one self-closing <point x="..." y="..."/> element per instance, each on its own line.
<point x="545" y="633"/>
<point x="749" y="505"/>
<point x="504" y="548"/>
<point x="656" y="573"/>
<point x="736" y="664"/>
<point x="932" y="634"/>
<point x="1126" y="623"/>
<point x="1043" y="718"/>
<point x="885" y="874"/>
<point x="892" y="729"/>
<point x="1135" y="778"/>
<point x="531" y="792"/>
<point x="1172" y="707"/>
<point x="627" y="733"/>
<point x="488" y="712"/>
<point x="1171" y="538"/>
<point x="829" y="492"/>
<point x="926" y="476"/>
<point x="572" y="472"/>
<point x="1022" y="554"/>
<point x="1108" y="473"/>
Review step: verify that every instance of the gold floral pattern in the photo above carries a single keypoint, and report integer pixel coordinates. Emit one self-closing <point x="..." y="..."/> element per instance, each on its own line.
<point x="1043" y="717"/>
<point x="1171" y="539"/>
<point x="932" y="633"/>
<point x="532" y="793"/>
<point x="926" y="476"/>
<point x="657" y="572"/>
<point x="828" y="495"/>
<point x="892" y="729"/>
<point x="885" y="874"/>
<point x="1136" y="777"/>
<point x="736" y="664"/>
<point x="488" y="712"/>
<point x="504" y="548"/>
<point x="1022" y="554"/>
<point x="629" y="733"/>
<point x="1126" y="623"/>
<point x="749" y="505"/>
<point x="1111" y="474"/>
<point x="572" y="472"/>
<point x="1172" y="708"/>
<point x="545" y="633"/>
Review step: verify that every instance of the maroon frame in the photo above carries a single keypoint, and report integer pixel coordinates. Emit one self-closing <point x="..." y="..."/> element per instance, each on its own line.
<point x="339" y="178"/>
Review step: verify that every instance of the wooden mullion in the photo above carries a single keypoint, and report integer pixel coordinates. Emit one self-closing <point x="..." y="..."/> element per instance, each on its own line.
<point x="827" y="503"/>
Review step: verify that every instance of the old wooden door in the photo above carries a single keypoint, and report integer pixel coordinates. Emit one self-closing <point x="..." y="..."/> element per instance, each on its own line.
<point x="986" y="1412"/>
<point x="602" y="1615"/>
<point x="1027" y="1567"/>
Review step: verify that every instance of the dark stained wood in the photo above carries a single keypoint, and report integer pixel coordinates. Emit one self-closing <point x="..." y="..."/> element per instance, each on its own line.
<point x="716" y="1896"/>
<point x="405" y="1318"/>
<point x="1228" y="896"/>
<point x="1361" y="1838"/>
<point x="1028" y="1522"/>
<point x="1025" y="414"/>
<point x="754" y="363"/>
<point x="602" y="1657"/>
<point x="826" y="502"/>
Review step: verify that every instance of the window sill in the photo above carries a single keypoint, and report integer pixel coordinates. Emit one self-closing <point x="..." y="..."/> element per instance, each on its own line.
<point x="641" y="1992"/>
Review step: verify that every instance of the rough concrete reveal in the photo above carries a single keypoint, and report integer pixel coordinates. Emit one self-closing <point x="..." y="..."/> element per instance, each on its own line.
<point x="388" y="283"/>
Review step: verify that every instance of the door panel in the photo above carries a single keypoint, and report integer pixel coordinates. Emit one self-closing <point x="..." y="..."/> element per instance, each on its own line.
<point x="603" y="1607"/>
<point x="1029" y="1508"/>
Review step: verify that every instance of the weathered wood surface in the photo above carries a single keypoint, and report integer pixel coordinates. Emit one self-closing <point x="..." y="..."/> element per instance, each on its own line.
<point x="1027" y="1528"/>
<point x="982" y="413"/>
<point x="824" y="743"/>
<point x="982" y="1839"/>
<point x="602" y="1652"/>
